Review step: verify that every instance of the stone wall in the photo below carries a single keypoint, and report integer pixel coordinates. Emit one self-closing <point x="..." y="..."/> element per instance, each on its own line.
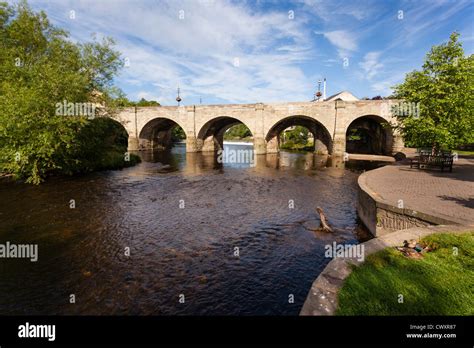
<point x="381" y="217"/>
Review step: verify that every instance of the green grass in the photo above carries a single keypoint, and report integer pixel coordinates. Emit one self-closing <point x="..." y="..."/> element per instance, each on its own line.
<point x="464" y="152"/>
<point x="438" y="284"/>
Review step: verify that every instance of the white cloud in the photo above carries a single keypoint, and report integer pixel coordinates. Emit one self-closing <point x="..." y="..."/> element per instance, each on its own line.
<point x="371" y="64"/>
<point x="345" y="41"/>
<point x="331" y="11"/>
<point x="194" y="44"/>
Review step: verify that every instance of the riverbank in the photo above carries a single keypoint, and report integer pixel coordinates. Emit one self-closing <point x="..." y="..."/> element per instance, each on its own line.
<point x="412" y="200"/>
<point x="109" y="160"/>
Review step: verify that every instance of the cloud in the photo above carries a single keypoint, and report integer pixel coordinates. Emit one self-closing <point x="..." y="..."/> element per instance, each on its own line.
<point x="331" y="11"/>
<point x="194" y="44"/>
<point x="344" y="41"/>
<point x="371" y="64"/>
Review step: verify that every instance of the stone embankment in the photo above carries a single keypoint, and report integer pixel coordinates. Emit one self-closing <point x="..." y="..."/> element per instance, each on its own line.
<point x="397" y="203"/>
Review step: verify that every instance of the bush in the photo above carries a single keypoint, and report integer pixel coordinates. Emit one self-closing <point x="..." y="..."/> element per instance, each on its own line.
<point x="40" y="67"/>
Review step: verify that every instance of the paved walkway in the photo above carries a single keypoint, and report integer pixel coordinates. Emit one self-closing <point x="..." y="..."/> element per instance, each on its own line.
<point x="441" y="194"/>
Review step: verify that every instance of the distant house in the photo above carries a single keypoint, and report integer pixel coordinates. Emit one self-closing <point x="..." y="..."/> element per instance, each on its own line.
<point x="344" y="96"/>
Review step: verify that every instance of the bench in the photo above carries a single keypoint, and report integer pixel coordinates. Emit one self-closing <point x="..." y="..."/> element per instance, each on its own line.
<point x="442" y="160"/>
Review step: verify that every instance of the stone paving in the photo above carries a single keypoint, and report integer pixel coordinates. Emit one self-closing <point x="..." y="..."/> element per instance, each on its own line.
<point x="441" y="194"/>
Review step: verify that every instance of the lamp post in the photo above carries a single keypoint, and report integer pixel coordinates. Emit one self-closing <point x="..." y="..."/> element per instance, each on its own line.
<point x="318" y="94"/>
<point x="178" y="98"/>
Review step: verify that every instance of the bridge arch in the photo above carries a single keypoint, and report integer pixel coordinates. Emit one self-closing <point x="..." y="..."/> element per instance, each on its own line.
<point x="211" y="135"/>
<point x="322" y="137"/>
<point x="156" y="134"/>
<point x="369" y="134"/>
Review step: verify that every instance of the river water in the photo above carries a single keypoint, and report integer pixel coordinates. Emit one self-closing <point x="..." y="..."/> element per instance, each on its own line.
<point x="203" y="238"/>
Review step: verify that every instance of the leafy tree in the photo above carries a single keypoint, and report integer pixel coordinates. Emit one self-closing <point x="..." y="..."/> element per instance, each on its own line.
<point x="177" y="134"/>
<point x="444" y="89"/>
<point x="239" y="131"/>
<point x="41" y="67"/>
<point x="119" y="99"/>
<point x="144" y="102"/>
<point x="298" y="135"/>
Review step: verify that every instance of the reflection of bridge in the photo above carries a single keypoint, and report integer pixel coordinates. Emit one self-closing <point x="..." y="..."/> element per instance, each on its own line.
<point x="205" y="125"/>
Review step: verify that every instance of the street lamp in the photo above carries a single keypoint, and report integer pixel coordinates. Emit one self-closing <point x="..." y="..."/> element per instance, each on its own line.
<point x="178" y="98"/>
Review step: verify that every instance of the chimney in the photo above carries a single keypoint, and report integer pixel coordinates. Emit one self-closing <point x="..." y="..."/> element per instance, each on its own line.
<point x="324" y="89"/>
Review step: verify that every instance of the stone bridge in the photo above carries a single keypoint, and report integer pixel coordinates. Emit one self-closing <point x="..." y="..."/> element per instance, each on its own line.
<point x="330" y="122"/>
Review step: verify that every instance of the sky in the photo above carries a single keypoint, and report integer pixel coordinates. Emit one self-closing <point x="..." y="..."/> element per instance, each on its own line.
<point x="221" y="52"/>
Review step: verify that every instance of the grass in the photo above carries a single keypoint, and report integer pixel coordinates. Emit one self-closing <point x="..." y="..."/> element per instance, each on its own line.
<point x="441" y="283"/>
<point x="464" y="152"/>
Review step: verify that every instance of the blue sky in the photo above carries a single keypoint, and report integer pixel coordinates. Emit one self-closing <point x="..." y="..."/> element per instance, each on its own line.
<point x="264" y="51"/>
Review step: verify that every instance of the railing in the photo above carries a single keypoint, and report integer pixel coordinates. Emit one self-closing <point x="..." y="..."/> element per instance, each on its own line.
<point x="427" y="158"/>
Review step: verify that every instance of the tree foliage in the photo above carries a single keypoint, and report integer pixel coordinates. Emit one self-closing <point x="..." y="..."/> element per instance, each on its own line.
<point x="443" y="88"/>
<point x="177" y="134"/>
<point x="121" y="100"/>
<point x="297" y="135"/>
<point x="39" y="68"/>
<point x="239" y="131"/>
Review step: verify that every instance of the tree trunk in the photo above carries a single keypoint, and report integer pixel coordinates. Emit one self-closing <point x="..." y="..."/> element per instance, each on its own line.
<point x="324" y="225"/>
<point x="434" y="148"/>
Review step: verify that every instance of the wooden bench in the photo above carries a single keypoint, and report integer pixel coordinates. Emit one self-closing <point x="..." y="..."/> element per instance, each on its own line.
<point x="441" y="160"/>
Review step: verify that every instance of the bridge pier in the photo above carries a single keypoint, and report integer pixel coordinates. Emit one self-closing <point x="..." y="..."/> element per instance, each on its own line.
<point x="192" y="144"/>
<point x="133" y="144"/>
<point x="272" y="145"/>
<point x="339" y="145"/>
<point x="212" y="143"/>
<point x="320" y="148"/>
<point x="259" y="145"/>
<point x="398" y="144"/>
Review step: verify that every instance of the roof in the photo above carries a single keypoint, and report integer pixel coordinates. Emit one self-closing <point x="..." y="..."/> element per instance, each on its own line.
<point x="344" y="95"/>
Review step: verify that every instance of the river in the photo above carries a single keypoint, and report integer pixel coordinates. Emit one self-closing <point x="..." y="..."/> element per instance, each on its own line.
<point x="203" y="238"/>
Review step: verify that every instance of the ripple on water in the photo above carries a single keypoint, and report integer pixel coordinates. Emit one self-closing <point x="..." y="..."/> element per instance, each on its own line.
<point x="173" y="251"/>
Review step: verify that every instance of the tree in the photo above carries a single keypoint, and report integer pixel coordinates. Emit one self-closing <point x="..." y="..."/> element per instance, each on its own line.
<point x="298" y="135"/>
<point x="177" y="134"/>
<point x="40" y="67"/>
<point x="239" y="131"/>
<point x="144" y="102"/>
<point x="118" y="99"/>
<point x="443" y="91"/>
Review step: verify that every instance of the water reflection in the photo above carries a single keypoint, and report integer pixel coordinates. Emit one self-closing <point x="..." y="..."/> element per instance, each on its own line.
<point x="195" y="163"/>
